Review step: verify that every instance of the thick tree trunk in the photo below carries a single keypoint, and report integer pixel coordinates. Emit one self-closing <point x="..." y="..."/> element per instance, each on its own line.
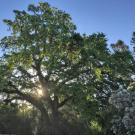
<point x="44" y="126"/>
<point x="50" y="125"/>
<point x="56" y="123"/>
<point x="55" y="118"/>
<point x="49" y="128"/>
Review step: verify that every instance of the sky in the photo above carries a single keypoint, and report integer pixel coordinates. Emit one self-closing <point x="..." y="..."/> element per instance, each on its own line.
<point x="115" y="18"/>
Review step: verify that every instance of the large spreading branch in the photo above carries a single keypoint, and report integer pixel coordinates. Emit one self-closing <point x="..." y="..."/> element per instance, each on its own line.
<point x="29" y="98"/>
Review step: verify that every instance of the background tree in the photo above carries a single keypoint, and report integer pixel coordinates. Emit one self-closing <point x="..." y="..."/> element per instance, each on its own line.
<point x="123" y="98"/>
<point x="123" y="120"/>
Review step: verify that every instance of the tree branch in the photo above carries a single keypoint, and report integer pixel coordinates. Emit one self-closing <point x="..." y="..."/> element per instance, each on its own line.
<point x="25" y="72"/>
<point x="29" y="98"/>
<point x="65" y="101"/>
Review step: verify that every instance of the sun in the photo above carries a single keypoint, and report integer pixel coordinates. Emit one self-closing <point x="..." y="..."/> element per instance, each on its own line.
<point x="39" y="93"/>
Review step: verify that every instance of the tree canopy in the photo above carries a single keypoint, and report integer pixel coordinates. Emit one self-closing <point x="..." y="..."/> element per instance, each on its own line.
<point x="67" y="77"/>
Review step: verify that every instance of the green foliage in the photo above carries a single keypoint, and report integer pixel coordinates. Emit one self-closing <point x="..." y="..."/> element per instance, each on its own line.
<point x="76" y="73"/>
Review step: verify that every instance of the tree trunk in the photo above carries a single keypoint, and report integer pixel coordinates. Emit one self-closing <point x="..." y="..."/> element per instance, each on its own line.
<point x="49" y="128"/>
<point x="49" y="125"/>
<point x="55" y="120"/>
<point x="44" y="126"/>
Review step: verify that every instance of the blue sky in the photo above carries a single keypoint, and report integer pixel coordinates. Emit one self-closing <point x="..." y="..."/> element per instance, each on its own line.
<point x="115" y="18"/>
